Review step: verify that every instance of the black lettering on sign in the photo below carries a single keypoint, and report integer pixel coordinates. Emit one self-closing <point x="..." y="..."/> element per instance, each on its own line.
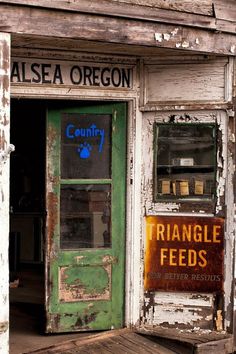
<point x="24" y="78"/>
<point x="15" y="73"/>
<point x="76" y="75"/>
<point x="36" y="75"/>
<point x="79" y="75"/>
<point x="57" y="75"/>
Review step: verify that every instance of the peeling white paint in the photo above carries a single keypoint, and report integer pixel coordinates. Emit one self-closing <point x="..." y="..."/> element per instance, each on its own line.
<point x="174" y="32"/>
<point x="197" y="41"/>
<point x="170" y="308"/>
<point x="176" y="315"/>
<point x="4" y="189"/>
<point x="233" y="48"/>
<point x="166" y="36"/>
<point x="221" y="160"/>
<point x="185" y="44"/>
<point x="158" y="37"/>
<point x="4" y="155"/>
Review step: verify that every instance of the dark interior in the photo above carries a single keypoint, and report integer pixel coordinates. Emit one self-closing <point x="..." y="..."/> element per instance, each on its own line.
<point x="27" y="209"/>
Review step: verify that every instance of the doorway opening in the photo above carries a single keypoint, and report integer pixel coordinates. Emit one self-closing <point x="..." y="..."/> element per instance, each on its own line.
<point x="100" y="203"/>
<point x="27" y="212"/>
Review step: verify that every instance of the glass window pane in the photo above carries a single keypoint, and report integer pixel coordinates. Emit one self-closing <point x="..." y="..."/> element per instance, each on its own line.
<point x="85" y="146"/>
<point x="185" y="161"/>
<point x="85" y="216"/>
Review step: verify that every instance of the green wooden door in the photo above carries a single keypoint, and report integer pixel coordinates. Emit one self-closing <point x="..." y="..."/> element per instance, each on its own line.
<point x="86" y="172"/>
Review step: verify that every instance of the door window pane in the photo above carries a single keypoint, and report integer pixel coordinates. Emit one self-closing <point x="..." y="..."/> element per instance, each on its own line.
<point x="85" y="146"/>
<point x="85" y="216"/>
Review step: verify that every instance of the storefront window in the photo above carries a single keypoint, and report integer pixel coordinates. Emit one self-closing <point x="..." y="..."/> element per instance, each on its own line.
<point x="185" y="161"/>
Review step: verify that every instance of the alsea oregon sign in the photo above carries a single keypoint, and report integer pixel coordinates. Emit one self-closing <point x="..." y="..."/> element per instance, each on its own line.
<point x="184" y="254"/>
<point x="71" y="74"/>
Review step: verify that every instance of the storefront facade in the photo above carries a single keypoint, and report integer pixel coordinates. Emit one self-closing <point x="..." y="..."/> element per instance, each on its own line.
<point x="124" y="164"/>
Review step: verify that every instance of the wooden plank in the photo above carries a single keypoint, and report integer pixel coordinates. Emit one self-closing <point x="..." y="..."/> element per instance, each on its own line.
<point x="118" y="7"/>
<point x="143" y="342"/>
<point x="115" y="346"/>
<point x="129" y="347"/>
<point x="195" y="337"/>
<point x="225" y="10"/>
<point x="223" y="346"/>
<point x="225" y="26"/>
<point x="95" y="348"/>
<point x="191" y="78"/>
<point x="80" y="26"/>
<point x="123" y="9"/>
<point x="199" y="7"/>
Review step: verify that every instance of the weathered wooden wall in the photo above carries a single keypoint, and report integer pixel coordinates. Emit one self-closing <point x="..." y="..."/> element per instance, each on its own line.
<point x="181" y="82"/>
<point x="4" y="187"/>
<point x="127" y="23"/>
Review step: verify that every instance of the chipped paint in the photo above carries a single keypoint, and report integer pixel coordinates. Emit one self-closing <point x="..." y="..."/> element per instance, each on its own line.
<point x="4" y="326"/>
<point x="166" y="36"/>
<point x="160" y="37"/>
<point x="4" y="188"/>
<point x="84" y="283"/>
<point x="178" y="309"/>
<point x="233" y="49"/>
<point x="151" y="207"/>
<point x="6" y="154"/>
<point x="170" y="309"/>
<point x="185" y="44"/>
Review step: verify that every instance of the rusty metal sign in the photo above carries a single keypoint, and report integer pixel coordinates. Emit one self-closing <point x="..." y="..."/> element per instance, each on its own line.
<point x="184" y="254"/>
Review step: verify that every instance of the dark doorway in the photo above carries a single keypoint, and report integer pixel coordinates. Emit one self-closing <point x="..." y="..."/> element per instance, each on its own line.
<point x="27" y="210"/>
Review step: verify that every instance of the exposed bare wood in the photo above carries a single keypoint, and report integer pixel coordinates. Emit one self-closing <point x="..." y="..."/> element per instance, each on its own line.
<point x="80" y="26"/>
<point x="203" y="7"/>
<point x="196" y="338"/>
<point x="199" y="7"/>
<point x="123" y="9"/>
<point x="190" y="106"/>
<point x="226" y="26"/>
<point x="21" y="43"/>
<point x="225" y="10"/>
<point x="210" y="75"/>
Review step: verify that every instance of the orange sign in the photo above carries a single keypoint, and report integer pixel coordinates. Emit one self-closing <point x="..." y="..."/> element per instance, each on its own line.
<point x="184" y="253"/>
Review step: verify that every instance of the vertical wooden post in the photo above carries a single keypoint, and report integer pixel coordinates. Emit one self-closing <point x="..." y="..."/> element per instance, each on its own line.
<point x="4" y="188"/>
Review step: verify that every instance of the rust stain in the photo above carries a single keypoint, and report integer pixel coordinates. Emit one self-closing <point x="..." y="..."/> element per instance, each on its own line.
<point x="184" y="253"/>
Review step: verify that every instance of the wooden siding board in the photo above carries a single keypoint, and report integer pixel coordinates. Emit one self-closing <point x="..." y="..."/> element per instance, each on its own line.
<point x="203" y="7"/>
<point x="199" y="7"/>
<point x="81" y="26"/>
<point x="185" y="82"/>
<point x="127" y="10"/>
<point x="225" y="26"/>
<point x="225" y="10"/>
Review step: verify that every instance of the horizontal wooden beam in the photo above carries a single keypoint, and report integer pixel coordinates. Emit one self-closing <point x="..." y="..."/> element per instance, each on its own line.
<point x="43" y="22"/>
<point x="123" y="9"/>
<point x="200" y="7"/>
